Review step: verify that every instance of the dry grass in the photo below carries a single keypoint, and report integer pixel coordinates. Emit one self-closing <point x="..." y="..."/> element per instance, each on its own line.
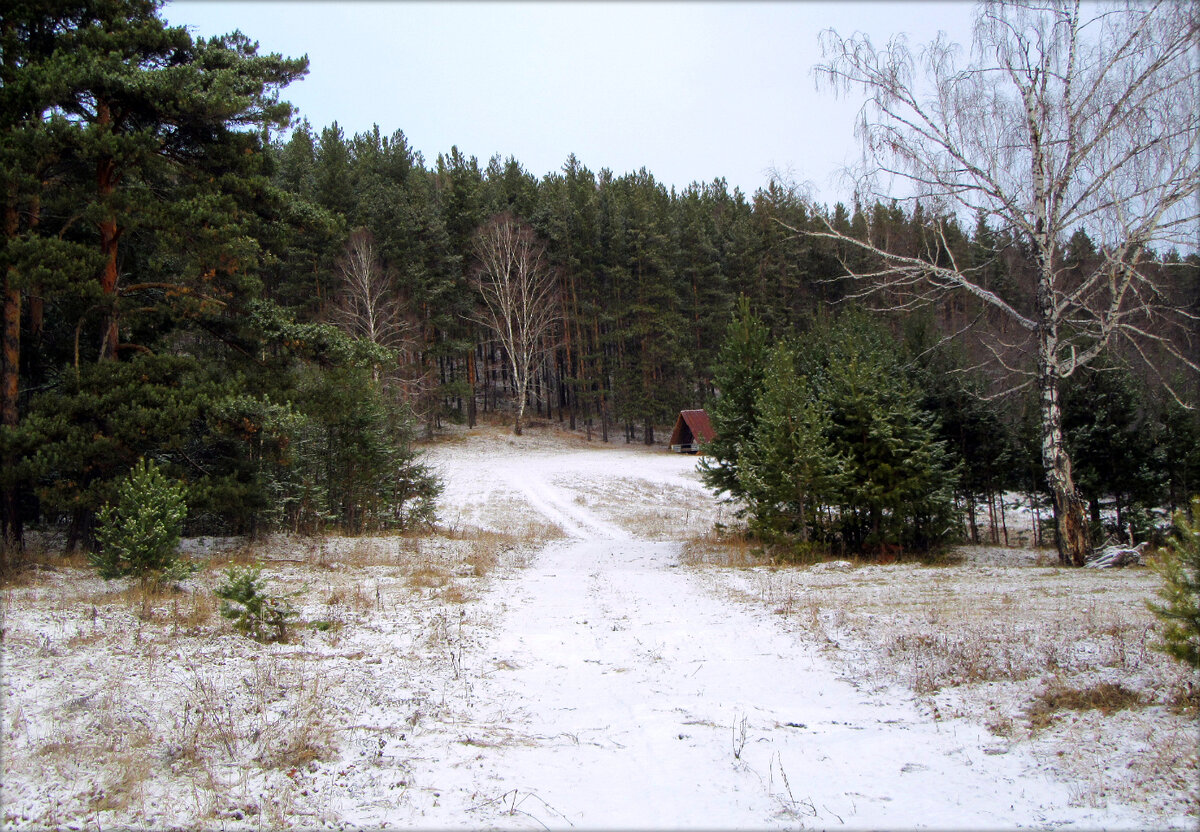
<point x="137" y="705"/>
<point x="1106" y="697"/>
<point x="146" y="600"/>
<point x="726" y="548"/>
<point x="301" y="735"/>
<point x="125" y="784"/>
<point x="451" y="568"/>
<point x="40" y="559"/>
<point x="497" y="428"/>
<point x="243" y="554"/>
<point x="650" y="510"/>
<point x="274" y="717"/>
<point x="104" y="733"/>
<point x="510" y="546"/>
<point x="428" y="575"/>
<point x="120" y="753"/>
<point x="938" y="627"/>
<point x="524" y="530"/>
<point x="194" y="613"/>
<point x="458" y="594"/>
<point x="486" y="548"/>
<point x="1015" y="648"/>
<point x="355" y="598"/>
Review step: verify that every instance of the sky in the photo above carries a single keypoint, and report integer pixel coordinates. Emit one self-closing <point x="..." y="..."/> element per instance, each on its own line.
<point x="691" y="91"/>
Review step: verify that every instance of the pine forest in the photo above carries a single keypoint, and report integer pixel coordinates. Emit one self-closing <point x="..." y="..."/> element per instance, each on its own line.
<point x="276" y="311"/>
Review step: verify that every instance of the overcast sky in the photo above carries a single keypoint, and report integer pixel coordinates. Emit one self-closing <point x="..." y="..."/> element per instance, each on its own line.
<point x="689" y="90"/>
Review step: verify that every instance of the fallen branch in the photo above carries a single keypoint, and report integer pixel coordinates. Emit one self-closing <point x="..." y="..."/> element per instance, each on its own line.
<point x="1115" y="556"/>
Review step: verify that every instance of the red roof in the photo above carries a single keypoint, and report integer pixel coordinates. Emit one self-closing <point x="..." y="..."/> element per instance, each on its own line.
<point x="695" y="423"/>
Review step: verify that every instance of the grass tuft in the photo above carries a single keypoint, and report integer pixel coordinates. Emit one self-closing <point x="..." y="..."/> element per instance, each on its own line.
<point x="722" y="547"/>
<point x="1106" y="697"/>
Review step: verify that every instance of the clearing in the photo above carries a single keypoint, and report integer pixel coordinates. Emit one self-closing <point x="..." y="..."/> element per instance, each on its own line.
<point x="571" y="650"/>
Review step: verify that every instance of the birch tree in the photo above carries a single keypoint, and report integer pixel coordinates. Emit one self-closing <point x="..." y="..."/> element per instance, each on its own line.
<point x="368" y="307"/>
<point x="518" y="290"/>
<point x="1057" y="121"/>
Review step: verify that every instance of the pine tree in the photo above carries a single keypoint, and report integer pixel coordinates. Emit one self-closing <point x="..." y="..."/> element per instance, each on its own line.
<point x="332" y="174"/>
<point x="788" y="471"/>
<point x="153" y="157"/>
<point x="1179" y="611"/>
<point x="298" y="162"/>
<point x="703" y="271"/>
<point x="158" y="124"/>
<point x="36" y="256"/>
<point x="566" y="219"/>
<point x="738" y="378"/>
<point x="139" y="535"/>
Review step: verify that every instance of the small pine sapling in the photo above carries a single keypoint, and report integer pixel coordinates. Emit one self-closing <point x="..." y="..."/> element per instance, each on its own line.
<point x="1179" y="567"/>
<point x="139" y="536"/>
<point x="261" y="616"/>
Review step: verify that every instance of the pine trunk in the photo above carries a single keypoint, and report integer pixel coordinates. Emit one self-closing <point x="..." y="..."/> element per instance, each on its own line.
<point x="10" y="375"/>
<point x="471" y="382"/>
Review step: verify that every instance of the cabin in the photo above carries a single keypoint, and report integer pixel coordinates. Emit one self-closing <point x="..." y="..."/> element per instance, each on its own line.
<point x="692" y="429"/>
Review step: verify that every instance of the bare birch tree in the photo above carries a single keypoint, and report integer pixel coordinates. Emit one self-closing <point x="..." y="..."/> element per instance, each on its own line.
<point x="518" y="290"/>
<point x="1057" y="122"/>
<point x="368" y="308"/>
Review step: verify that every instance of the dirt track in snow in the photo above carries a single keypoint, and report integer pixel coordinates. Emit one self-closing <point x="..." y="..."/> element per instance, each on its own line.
<point x="641" y="696"/>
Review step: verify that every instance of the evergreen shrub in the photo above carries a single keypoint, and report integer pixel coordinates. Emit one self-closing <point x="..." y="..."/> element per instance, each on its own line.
<point x="1179" y="567"/>
<point x="139" y="536"/>
<point x="255" y="612"/>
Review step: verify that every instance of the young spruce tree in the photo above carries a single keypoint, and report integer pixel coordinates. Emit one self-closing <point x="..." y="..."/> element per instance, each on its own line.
<point x="738" y="378"/>
<point x="899" y="481"/>
<point x="787" y="470"/>
<point x="1180" y="590"/>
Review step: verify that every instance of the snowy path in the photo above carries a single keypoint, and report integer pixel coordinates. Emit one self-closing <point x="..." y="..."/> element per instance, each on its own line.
<point x="620" y="692"/>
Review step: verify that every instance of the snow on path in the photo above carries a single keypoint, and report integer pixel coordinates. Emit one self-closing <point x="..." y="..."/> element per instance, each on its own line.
<point x="619" y="692"/>
<point x="556" y="507"/>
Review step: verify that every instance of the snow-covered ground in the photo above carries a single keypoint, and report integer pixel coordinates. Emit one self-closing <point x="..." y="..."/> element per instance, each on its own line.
<point x="555" y="658"/>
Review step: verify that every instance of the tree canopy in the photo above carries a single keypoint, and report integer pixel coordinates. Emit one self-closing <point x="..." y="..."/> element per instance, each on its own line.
<point x="270" y="311"/>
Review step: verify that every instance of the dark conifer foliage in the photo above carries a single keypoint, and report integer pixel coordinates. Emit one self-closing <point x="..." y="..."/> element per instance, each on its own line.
<point x="739" y="375"/>
<point x="143" y="230"/>
<point x="171" y="256"/>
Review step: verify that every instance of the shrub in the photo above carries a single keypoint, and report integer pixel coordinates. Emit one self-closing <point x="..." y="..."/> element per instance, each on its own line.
<point x="253" y="611"/>
<point x="1179" y="566"/>
<point x="140" y="535"/>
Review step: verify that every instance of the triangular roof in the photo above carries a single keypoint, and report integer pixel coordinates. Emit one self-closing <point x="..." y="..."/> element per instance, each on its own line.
<point x="695" y="421"/>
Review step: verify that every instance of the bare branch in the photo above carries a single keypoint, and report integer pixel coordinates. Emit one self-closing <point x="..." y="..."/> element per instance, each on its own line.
<point x="368" y="308"/>
<point x="1056" y="124"/>
<point x="519" y="293"/>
